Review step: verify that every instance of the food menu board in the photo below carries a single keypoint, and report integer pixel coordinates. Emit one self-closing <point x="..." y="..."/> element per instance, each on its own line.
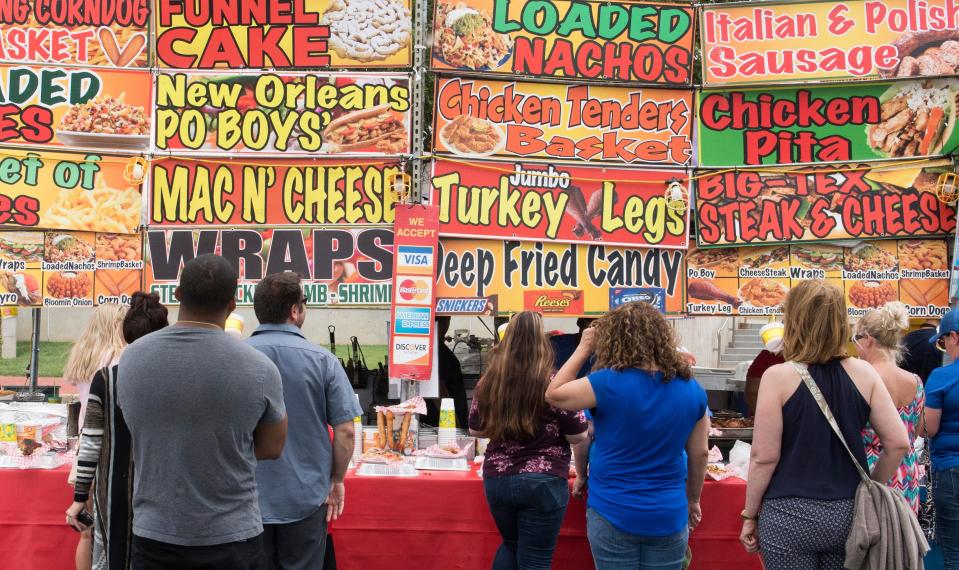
<point x="556" y="279"/>
<point x="99" y="109"/>
<point x="485" y="117"/>
<point x="743" y="207"/>
<point x="827" y="124"/>
<point x="108" y="34"/>
<point x="272" y="192"/>
<point x="855" y="39"/>
<point x="755" y="280"/>
<point x="59" y="191"/>
<point x="283" y="34"/>
<point x="621" y="41"/>
<point x="300" y="113"/>
<point x="68" y="269"/>
<point x="339" y="266"/>
<point x="559" y="202"/>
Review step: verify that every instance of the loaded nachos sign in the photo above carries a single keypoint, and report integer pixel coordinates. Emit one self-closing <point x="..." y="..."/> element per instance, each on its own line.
<point x="565" y="203"/>
<point x="621" y="41"/>
<point x="745" y="207"/>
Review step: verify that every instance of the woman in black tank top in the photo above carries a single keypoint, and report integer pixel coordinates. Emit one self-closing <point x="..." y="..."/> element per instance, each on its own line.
<point x="802" y="484"/>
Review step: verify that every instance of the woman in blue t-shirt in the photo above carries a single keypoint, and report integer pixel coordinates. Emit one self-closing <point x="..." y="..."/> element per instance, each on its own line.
<point x="942" y="426"/>
<point x="647" y="410"/>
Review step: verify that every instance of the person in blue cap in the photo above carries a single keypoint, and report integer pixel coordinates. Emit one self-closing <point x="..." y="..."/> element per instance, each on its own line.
<point x="942" y="427"/>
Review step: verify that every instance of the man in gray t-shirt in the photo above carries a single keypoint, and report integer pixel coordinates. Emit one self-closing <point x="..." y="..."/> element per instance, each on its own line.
<point x="202" y="407"/>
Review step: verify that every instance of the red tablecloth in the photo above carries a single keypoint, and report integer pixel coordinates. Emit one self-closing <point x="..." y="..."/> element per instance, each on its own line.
<point x="440" y="520"/>
<point x="437" y="520"/>
<point x="33" y="535"/>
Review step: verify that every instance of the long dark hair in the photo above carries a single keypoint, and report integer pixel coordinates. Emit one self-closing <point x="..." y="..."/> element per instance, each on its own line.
<point x="512" y="394"/>
<point x="145" y="315"/>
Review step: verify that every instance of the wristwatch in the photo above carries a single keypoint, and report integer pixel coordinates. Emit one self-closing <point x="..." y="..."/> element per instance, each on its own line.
<point x="746" y="517"/>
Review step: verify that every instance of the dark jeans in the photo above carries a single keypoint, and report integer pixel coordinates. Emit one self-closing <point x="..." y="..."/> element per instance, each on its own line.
<point x="300" y="545"/>
<point x="528" y="510"/>
<point x="946" y="497"/>
<point x="154" y="555"/>
<point x="614" y="549"/>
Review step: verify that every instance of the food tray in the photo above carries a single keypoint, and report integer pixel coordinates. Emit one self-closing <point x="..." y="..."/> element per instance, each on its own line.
<point x="737" y="433"/>
<point x="427" y="463"/>
<point x="387" y="470"/>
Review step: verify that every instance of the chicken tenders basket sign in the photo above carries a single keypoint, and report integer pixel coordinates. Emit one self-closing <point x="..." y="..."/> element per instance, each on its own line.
<point x="576" y="204"/>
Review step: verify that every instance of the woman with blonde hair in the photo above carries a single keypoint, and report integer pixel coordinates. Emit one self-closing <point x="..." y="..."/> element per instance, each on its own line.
<point x="878" y="338"/>
<point x="526" y="471"/>
<point x="99" y="345"/>
<point x="647" y="410"/>
<point x="802" y="482"/>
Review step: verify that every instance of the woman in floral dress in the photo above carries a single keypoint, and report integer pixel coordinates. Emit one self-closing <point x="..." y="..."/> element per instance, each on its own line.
<point x="878" y="337"/>
<point x="526" y="471"/>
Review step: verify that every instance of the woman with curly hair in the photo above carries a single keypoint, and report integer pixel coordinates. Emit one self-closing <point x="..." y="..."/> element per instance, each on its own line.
<point x="647" y="410"/>
<point x="526" y="472"/>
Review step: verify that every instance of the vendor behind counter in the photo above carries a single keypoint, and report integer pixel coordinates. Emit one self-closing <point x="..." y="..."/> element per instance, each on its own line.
<point x="452" y="384"/>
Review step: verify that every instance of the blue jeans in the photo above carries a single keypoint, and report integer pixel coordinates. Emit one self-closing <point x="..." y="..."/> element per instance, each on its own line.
<point x="946" y="497"/>
<point x="614" y="549"/>
<point x="528" y="510"/>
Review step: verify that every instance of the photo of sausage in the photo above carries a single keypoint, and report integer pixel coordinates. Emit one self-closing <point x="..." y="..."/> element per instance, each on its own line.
<point x="360" y="129"/>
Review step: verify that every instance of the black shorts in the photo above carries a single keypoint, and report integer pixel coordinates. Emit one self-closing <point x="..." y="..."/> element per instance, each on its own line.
<point x="154" y="555"/>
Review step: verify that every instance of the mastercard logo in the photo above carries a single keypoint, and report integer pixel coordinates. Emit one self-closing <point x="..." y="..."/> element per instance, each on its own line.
<point x="414" y="290"/>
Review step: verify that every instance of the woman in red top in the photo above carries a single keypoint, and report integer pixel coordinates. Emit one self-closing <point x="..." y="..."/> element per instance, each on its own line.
<point x="526" y="471"/>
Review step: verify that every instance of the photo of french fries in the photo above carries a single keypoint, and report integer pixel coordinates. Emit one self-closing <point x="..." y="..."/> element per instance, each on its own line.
<point x="102" y="209"/>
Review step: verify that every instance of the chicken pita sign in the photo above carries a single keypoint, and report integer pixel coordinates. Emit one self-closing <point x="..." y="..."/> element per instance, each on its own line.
<point x="574" y="204"/>
<point x="827" y="123"/>
<point x="776" y="42"/>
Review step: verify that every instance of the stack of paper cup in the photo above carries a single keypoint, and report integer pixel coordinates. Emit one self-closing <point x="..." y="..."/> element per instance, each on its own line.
<point x="358" y="433"/>
<point x="447" y="431"/>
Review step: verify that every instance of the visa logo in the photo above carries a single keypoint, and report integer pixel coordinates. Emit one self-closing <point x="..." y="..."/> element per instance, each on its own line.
<point x="415" y="259"/>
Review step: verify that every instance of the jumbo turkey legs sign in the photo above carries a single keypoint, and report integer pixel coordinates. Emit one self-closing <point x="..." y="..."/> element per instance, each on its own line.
<point x="414" y="263"/>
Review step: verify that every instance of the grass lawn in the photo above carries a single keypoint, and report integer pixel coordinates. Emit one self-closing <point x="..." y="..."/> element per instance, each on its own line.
<point x="53" y="355"/>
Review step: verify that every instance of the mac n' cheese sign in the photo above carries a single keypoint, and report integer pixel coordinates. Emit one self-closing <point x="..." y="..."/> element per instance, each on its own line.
<point x="275" y="192"/>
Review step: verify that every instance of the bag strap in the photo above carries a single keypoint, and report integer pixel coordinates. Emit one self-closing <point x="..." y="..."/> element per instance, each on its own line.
<point x="803" y="371"/>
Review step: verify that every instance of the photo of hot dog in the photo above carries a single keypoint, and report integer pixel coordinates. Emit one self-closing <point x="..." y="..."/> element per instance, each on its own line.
<point x="361" y="129"/>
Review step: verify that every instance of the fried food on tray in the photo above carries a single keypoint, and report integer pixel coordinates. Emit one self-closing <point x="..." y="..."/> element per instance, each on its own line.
<point x="868" y="257"/>
<point x="464" y="37"/>
<point x="106" y="115"/>
<point x="471" y="135"/>
<point x="922" y="254"/>
<point x="763" y="292"/>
